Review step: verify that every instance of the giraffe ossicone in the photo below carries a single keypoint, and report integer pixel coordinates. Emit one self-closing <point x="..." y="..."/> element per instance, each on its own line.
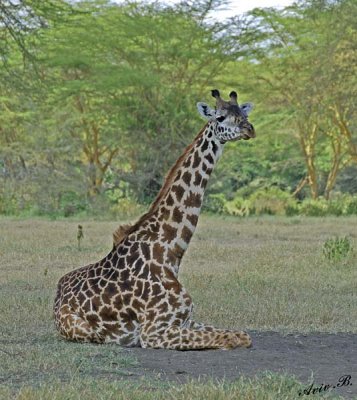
<point x="132" y="296"/>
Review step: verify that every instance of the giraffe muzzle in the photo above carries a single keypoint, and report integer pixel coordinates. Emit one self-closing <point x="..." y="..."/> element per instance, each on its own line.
<point x="248" y="132"/>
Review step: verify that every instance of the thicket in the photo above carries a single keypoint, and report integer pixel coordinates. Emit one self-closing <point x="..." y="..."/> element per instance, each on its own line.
<point x="274" y="201"/>
<point x="98" y="99"/>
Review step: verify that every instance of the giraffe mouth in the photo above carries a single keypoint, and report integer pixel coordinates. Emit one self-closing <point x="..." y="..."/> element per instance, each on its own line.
<point x="243" y="135"/>
<point x="247" y="134"/>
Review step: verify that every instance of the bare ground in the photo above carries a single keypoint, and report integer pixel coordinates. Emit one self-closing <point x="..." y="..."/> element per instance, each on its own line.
<point x="319" y="358"/>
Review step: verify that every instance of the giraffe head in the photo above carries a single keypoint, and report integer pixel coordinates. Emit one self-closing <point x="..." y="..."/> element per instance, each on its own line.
<point x="231" y="119"/>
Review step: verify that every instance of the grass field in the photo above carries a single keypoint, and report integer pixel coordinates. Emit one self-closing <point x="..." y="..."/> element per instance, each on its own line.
<point x="256" y="273"/>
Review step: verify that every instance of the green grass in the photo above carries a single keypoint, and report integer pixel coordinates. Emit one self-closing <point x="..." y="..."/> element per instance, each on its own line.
<point x="255" y="273"/>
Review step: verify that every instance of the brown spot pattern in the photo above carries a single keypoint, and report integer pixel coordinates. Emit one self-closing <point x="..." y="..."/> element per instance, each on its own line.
<point x="198" y="178"/>
<point x="186" y="234"/>
<point x="169" y="233"/>
<point x="193" y="219"/>
<point x="193" y="200"/>
<point x="177" y="215"/>
<point x="179" y="191"/>
<point x="186" y="177"/>
<point x="158" y="253"/>
<point x="196" y="160"/>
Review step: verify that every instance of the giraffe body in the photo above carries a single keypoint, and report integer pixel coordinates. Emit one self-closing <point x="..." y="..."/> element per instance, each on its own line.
<point x="132" y="296"/>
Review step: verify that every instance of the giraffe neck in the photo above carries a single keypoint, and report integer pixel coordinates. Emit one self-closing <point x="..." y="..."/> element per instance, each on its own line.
<point x="178" y="209"/>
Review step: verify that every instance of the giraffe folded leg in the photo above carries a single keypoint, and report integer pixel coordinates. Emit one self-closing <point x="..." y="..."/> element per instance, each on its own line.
<point x="71" y="326"/>
<point x="181" y="338"/>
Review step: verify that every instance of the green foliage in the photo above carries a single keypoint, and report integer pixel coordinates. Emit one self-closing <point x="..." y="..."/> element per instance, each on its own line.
<point x="340" y="204"/>
<point x="98" y="100"/>
<point x="292" y="209"/>
<point x="238" y="206"/>
<point x="126" y="208"/>
<point x="337" y="249"/>
<point x="71" y="203"/>
<point x="351" y="208"/>
<point x="314" y="208"/>
<point x="272" y="201"/>
<point x="215" y="203"/>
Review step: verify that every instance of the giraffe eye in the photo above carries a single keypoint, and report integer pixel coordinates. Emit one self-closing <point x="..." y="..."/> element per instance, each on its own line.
<point x="221" y="118"/>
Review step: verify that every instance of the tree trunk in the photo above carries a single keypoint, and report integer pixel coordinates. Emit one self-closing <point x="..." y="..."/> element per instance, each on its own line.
<point x="332" y="176"/>
<point x="342" y="124"/>
<point x="94" y="152"/>
<point x="307" y="142"/>
<point x="300" y="186"/>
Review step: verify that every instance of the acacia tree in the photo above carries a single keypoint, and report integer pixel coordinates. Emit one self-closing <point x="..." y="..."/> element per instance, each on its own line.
<point x="301" y="65"/>
<point x="124" y="77"/>
<point x="27" y="168"/>
<point x="336" y="81"/>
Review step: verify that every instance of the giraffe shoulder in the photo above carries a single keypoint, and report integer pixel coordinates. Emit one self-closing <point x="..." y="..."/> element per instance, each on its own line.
<point x="121" y="233"/>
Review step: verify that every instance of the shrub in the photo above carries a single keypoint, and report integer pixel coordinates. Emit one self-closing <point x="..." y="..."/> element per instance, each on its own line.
<point x="126" y="208"/>
<point x="71" y="203"/>
<point x="314" y="208"/>
<point x="351" y="207"/>
<point x="338" y="204"/>
<point x="215" y="203"/>
<point x="337" y="249"/>
<point x="123" y="202"/>
<point x="8" y="204"/>
<point x="238" y="206"/>
<point x="272" y="201"/>
<point x="292" y="209"/>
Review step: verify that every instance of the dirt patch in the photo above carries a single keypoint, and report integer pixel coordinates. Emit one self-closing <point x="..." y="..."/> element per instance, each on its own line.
<point x="326" y="357"/>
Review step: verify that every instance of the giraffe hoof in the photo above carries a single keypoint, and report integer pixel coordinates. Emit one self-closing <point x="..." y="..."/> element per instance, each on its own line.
<point x="230" y="341"/>
<point x="245" y="340"/>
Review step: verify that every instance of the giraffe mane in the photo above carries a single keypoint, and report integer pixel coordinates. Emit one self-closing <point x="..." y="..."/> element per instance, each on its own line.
<point x="120" y="234"/>
<point x="125" y="230"/>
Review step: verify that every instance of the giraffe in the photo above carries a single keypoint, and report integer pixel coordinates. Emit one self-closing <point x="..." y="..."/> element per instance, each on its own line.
<point x="132" y="297"/>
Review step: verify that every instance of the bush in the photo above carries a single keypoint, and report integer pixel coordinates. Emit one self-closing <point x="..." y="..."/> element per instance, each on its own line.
<point x="15" y="198"/>
<point x="337" y="249"/>
<point x="126" y="208"/>
<point x="351" y="207"/>
<point x="335" y="207"/>
<point x="273" y="201"/>
<point x="292" y="209"/>
<point x="72" y="203"/>
<point x="314" y="208"/>
<point x="339" y="204"/>
<point x="8" y="204"/>
<point x="215" y="203"/>
<point x="238" y="206"/>
<point x="123" y="202"/>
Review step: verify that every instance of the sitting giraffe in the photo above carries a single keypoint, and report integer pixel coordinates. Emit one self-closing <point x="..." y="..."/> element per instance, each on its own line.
<point x="133" y="297"/>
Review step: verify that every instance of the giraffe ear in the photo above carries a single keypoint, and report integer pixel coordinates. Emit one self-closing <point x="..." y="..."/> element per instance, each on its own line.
<point x="247" y="108"/>
<point x="206" y="111"/>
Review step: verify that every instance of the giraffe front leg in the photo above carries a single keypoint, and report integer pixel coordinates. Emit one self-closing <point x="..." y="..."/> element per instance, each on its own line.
<point x="245" y="339"/>
<point x="182" y="338"/>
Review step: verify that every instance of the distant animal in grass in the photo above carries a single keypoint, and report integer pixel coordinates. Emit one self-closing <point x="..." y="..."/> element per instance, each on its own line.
<point x="80" y="236"/>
